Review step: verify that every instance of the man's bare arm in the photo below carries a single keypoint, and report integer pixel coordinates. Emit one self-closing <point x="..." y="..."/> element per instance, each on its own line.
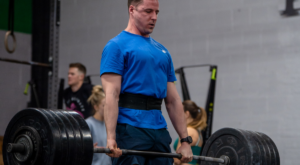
<point x="111" y="84"/>
<point x="175" y="110"/>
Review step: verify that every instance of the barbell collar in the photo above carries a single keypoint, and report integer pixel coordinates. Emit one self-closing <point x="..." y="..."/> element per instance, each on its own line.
<point x="226" y="160"/>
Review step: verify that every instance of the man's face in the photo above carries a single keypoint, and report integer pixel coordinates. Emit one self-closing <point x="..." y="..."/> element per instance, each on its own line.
<point x="145" y="16"/>
<point x="74" y="76"/>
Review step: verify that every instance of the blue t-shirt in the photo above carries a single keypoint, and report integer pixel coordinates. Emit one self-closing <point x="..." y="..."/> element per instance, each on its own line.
<point x="145" y="66"/>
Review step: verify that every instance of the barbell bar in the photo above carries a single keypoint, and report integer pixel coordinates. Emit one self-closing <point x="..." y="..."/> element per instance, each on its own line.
<point x="223" y="160"/>
<point x="48" y="137"/>
<point x="21" y="148"/>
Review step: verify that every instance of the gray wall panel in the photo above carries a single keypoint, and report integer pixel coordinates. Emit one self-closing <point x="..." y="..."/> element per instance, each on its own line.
<point x="13" y="78"/>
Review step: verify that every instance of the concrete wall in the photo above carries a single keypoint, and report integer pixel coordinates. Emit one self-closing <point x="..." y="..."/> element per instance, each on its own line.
<point x="13" y="79"/>
<point x="257" y="52"/>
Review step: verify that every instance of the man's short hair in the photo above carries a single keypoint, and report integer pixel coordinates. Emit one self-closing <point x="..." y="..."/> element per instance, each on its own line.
<point x="79" y="66"/>
<point x="134" y="2"/>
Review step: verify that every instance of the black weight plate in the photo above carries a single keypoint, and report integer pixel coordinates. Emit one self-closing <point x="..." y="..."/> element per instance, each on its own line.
<point x="268" y="149"/>
<point x="86" y="147"/>
<point x="274" y="149"/>
<point x="64" y="147"/>
<point x="232" y="143"/>
<point x="47" y="129"/>
<point x="77" y="160"/>
<point x="36" y="142"/>
<point x="60" y="137"/>
<point x="70" y="132"/>
<point x="275" y="159"/>
<point x="268" y="156"/>
<point x="264" y="158"/>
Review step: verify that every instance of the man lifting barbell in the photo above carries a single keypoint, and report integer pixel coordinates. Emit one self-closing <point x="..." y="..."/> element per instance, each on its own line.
<point x="137" y="73"/>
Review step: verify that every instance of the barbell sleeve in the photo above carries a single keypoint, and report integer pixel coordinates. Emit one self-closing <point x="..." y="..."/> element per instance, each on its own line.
<point x="15" y="147"/>
<point x="209" y="159"/>
<point x="160" y="154"/>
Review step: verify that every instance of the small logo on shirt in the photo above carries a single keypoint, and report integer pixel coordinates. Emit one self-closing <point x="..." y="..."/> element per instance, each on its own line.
<point x="164" y="51"/>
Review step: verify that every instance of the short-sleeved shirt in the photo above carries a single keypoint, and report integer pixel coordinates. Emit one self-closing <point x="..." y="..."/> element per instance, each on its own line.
<point x="146" y="67"/>
<point x="98" y="131"/>
<point x="77" y="101"/>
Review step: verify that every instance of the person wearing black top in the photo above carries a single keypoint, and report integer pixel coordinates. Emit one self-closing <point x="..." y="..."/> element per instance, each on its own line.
<point x="78" y="92"/>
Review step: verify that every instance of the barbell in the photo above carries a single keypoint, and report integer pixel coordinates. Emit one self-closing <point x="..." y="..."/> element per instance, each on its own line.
<point x="57" y="137"/>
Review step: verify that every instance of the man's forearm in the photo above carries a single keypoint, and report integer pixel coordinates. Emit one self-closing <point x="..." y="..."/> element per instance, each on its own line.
<point x="111" y="111"/>
<point x="176" y="114"/>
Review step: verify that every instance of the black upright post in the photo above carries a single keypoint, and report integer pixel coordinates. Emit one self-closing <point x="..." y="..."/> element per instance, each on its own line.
<point x="61" y="93"/>
<point x="184" y="87"/>
<point x="209" y="108"/>
<point x="40" y="49"/>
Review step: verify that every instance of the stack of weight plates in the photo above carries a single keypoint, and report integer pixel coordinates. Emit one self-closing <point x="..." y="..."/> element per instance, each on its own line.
<point x="55" y="138"/>
<point x="242" y="147"/>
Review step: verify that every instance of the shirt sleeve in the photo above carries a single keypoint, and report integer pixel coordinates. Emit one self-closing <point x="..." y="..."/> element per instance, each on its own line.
<point x="112" y="60"/>
<point x="171" y="73"/>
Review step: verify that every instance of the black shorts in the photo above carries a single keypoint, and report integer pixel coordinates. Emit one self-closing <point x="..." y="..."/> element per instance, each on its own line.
<point x="142" y="139"/>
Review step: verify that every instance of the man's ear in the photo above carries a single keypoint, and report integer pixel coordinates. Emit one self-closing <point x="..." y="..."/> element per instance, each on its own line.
<point x="130" y="9"/>
<point x="81" y="75"/>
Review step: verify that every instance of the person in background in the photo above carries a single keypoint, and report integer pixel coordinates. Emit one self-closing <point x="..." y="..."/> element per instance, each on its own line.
<point x="196" y="118"/>
<point x="76" y="95"/>
<point x="97" y="125"/>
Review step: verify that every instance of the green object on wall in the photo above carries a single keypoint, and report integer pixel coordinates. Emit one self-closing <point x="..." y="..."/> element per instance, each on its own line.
<point x="22" y="18"/>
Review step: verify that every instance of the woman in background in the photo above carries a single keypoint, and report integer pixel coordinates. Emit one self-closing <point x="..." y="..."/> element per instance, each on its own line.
<point x="97" y="125"/>
<point x="196" y="122"/>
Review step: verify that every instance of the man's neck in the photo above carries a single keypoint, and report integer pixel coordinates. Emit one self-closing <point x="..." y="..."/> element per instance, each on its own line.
<point x="131" y="28"/>
<point x="76" y="87"/>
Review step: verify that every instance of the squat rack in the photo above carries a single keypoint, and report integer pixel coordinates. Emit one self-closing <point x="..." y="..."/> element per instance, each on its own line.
<point x="45" y="41"/>
<point x="209" y="107"/>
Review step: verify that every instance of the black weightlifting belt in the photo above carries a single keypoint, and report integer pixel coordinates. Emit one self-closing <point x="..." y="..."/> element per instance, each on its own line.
<point x="140" y="102"/>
